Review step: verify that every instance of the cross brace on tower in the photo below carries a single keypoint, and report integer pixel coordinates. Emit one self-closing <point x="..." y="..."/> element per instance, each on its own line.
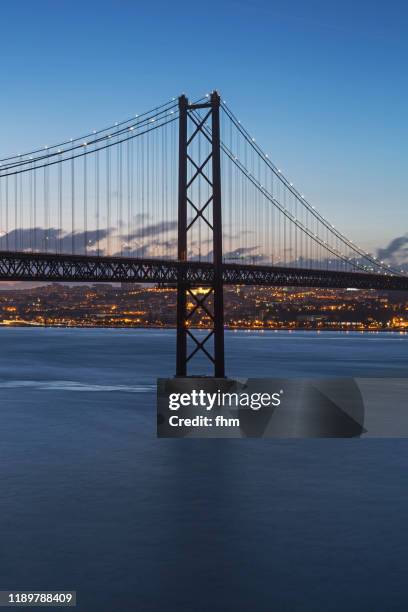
<point x="207" y="126"/>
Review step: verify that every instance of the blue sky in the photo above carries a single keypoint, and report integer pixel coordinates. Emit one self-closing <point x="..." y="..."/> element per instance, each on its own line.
<point x="322" y="85"/>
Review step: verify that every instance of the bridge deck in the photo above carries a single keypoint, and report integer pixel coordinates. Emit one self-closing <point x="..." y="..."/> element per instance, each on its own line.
<point x="80" y="268"/>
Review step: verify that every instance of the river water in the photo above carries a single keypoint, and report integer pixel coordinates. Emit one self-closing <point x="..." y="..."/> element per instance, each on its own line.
<point x="91" y="501"/>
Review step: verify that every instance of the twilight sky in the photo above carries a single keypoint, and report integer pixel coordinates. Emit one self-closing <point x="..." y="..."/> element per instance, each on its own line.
<point x="322" y="85"/>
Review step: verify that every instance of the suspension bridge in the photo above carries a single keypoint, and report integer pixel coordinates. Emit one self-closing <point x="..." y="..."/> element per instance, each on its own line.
<point x="180" y="194"/>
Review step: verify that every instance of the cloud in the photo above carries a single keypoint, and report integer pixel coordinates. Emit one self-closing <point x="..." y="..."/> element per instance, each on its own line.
<point x="52" y="240"/>
<point x="396" y="251"/>
<point x="137" y="252"/>
<point x="155" y="248"/>
<point x="155" y="229"/>
<point x="242" y="253"/>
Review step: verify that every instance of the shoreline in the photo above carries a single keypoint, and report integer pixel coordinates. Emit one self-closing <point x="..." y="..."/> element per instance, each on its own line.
<point x="227" y="328"/>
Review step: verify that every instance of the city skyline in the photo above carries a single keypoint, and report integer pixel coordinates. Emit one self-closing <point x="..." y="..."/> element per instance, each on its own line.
<point x="132" y="305"/>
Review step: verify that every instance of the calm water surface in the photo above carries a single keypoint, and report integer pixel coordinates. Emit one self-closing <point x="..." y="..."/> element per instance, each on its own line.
<point x="92" y="501"/>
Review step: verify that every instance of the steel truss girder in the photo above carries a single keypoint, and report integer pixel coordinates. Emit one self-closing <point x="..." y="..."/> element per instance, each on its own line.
<point x="236" y="274"/>
<point x="50" y="267"/>
<point x="91" y="269"/>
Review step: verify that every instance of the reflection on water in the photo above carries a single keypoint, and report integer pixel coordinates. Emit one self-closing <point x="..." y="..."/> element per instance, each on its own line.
<point x="92" y="501"/>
